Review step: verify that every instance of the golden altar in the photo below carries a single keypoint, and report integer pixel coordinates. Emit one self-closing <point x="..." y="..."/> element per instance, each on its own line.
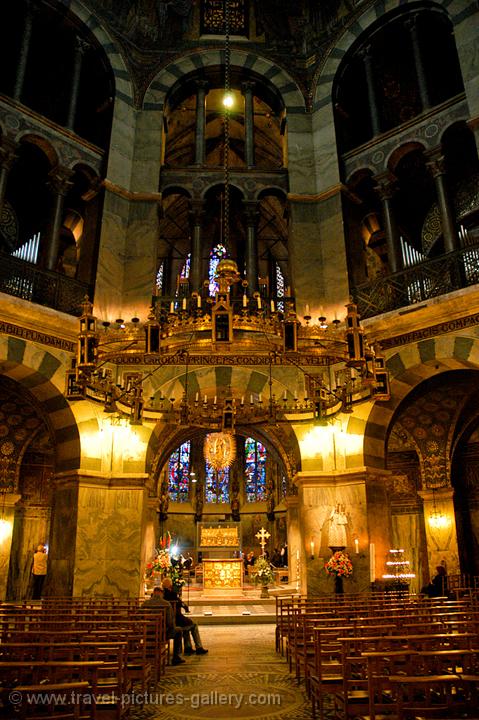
<point x="224" y="574"/>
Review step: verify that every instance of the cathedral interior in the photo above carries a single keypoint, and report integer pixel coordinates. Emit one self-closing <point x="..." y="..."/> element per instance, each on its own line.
<point x="243" y="317"/>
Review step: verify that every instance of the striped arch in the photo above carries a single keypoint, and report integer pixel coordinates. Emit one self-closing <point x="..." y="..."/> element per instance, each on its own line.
<point x="168" y="76"/>
<point x="123" y="86"/>
<point x="37" y="370"/>
<point x="408" y="367"/>
<point x="323" y="91"/>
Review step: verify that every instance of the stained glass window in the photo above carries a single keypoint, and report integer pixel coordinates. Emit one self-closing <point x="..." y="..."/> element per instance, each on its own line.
<point x="255" y="470"/>
<point x="160" y="278"/>
<point x="217" y="485"/>
<point x="185" y="270"/>
<point x="179" y="473"/>
<point x="217" y="254"/>
<point x="280" y="287"/>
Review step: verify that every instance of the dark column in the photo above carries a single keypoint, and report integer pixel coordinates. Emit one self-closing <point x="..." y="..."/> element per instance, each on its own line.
<point x="411" y="24"/>
<point x="372" y="99"/>
<point x="448" y="225"/>
<point x="81" y="48"/>
<point x="200" y="129"/>
<point x="247" y="88"/>
<point x="251" y="216"/>
<point x="60" y="184"/>
<point x="7" y="158"/>
<point x="196" y="215"/>
<point x="24" y="50"/>
<point x="385" y="188"/>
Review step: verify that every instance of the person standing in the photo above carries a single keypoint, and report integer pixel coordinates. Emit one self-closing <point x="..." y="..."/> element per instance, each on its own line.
<point x="39" y="570"/>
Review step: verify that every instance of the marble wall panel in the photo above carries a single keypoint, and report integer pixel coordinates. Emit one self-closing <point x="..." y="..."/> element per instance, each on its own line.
<point x="109" y="540"/>
<point x="301" y="162"/>
<point x="326" y="157"/>
<point x="110" y="271"/>
<point x="148" y="151"/>
<point x="61" y="557"/>
<point x="122" y="144"/>
<point x="379" y="521"/>
<point x="31" y="527"/>
<point x="140" y="260"/>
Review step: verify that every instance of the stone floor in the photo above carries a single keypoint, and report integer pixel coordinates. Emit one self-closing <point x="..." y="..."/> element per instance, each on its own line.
<point x="241" y="677"/>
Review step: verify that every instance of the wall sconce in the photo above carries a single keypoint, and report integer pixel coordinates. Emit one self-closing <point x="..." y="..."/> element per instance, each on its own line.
<point x="311" y="545"/>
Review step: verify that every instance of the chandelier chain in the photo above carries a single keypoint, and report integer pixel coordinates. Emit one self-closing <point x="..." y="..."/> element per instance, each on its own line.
<point x="227" y="128"/>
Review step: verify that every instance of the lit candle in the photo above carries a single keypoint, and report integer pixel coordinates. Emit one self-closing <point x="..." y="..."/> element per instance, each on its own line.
<point x="198" y="301"/>
<point x="312" y="548"/>
<point x="214" y="401"/>
<point x="258" y="300"/>
<point x="172" y="307"/>
<point x="260" y="397"/>
<point x="296" y="395"/>
<point x="272" y="306"/>
<point x="205" y="400"/>
<point x="242" y="399"/>
<point x="356" y="545"/>
<point x="183" y="304"/>
<point x="306" y="311"/>
<point x="251" y="399"/>
<point x="285" y="395"/>
<point x="196" y="397"/>
<point x="372" y="562"/>
<point x="297" y="554"/>
<point x="245" y="300"/>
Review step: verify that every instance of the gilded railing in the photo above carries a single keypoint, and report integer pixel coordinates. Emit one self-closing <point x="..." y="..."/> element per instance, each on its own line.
<point x="418" y="283"/>
<point x="27" y="281"/>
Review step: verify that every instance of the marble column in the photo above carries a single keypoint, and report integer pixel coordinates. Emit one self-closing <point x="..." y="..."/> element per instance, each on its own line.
<point x="81" y="47"/>
<point x="386" y="189"/>
<point x="196" y="216"/>
<point x="411" y="24"/>
<point x="9" y="500"/>
<point x="200" y="127"/>
<point x="251" y="255"/>
<point x="436" y="165"/>
<point x="24" y="50"/>
<point x="60" y="184"/>
<point x="247" y="89"/>
<point x="7" y="158"/>
<point x="441" y="531"/>
<point x="372" y="96"/>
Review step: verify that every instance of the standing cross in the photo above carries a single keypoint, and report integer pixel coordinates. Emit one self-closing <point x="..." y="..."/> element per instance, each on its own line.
<point x="262" y="536"/>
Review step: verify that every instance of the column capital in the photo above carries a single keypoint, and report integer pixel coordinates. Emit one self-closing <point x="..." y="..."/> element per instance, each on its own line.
<point x="61" y="179"/>
<point x="247" y="86"/>
<point x="81" y="46"/>
<point x="202" y="85"/>
<point x="8" y="152"/>
<point x="386" y="185"/>
<point x="251" y="212"/>
<point x="435" y="162"/>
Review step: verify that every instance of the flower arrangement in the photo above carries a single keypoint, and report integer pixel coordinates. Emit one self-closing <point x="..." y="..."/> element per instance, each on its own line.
<point x="162" y="564"/>
<point x="263" y="573"/>
<point x="339" y="565"/>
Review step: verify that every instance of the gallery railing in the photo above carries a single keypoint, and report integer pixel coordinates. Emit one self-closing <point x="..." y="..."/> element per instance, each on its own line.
<point x="418" y="283"/>
<point x="29" y="282"/>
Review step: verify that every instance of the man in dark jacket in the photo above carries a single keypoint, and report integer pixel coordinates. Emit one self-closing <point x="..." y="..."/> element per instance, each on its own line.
<point x="157" y="601"/>
<point x="186" y="624"/>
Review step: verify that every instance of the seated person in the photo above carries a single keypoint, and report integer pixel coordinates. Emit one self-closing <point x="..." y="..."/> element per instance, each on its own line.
<point x="172" y="631"/>
<point x="438" y="585"/>
<point x="186" y="624"/>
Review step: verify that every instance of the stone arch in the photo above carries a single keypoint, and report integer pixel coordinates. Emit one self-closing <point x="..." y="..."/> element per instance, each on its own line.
<point x="166" y="437"/>
<point x="324" y="78"/>
<point x="283" y="82"/>
<point x="408" y="367"/>
<point x="36" y="370"/>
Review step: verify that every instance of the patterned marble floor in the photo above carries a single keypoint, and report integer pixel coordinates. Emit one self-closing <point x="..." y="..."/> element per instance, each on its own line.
<point x="241" y="677"/>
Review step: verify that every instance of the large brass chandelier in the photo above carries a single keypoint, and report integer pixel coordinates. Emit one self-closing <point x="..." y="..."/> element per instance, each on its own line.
<point x="336" y="363"/>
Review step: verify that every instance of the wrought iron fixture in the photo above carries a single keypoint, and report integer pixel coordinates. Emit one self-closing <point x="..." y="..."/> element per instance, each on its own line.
<point x="436" y="519"/>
